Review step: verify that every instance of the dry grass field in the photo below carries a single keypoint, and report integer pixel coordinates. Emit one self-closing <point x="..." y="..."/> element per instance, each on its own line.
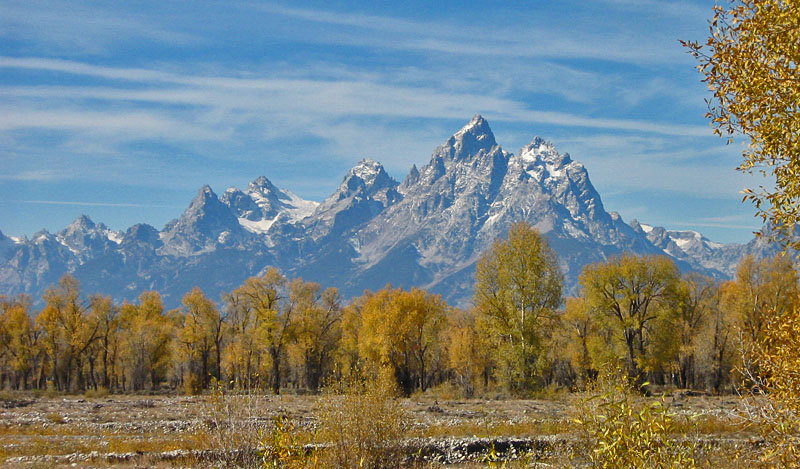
<point x="146" y="431"/>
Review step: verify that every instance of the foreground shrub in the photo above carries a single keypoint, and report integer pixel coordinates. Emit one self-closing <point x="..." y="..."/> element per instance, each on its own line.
<point x="620" y="429"/>
<point x="234" y="427"/>
<point x="98" y="393"/>
<point x="772" y="367"/>
<point x="282" y="449"/>
<point x="362" y="422"/>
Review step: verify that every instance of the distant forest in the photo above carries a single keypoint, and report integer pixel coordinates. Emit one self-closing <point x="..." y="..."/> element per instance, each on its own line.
<point x="521" y="337"/>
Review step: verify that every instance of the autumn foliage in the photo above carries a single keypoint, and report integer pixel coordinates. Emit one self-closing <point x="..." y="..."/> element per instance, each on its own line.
<point x="275" y="333"/>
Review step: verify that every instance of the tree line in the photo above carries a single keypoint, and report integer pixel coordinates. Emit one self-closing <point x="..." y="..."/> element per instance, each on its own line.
<point x="637" y="312"/>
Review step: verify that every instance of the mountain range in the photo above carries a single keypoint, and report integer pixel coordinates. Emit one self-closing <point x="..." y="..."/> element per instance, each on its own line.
<point x="428" y="230"/>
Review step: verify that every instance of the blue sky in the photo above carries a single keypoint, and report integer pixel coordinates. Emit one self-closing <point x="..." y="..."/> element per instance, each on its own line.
<point x="122" y="110"/>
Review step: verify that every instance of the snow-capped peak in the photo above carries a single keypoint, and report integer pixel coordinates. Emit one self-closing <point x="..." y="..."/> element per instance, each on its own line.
<point x="473" y="140"/>
<point x="544" y="151"/>
<point x="367" y="170"/>
<point x="475" y="135"/>
<point x="367" y="177"/>
<point x="263" y="204"/>
<point x="478" y="127"/>
<point x="541" y="160"/>
<point x="262" y="185"/>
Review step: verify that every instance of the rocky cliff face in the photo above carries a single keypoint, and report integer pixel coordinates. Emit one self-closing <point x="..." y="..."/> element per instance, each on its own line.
<point x="428" y="230"/>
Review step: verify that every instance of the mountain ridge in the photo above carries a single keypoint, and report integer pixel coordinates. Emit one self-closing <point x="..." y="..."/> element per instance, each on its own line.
<point x="427" y="230"/>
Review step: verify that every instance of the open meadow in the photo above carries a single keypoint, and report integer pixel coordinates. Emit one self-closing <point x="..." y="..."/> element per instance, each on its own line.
<point x="227" y="429"/>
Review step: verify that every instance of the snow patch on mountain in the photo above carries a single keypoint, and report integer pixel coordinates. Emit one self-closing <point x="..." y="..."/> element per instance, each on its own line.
<point x="263" y="204"/>
<point x="300" y="208"/>
<point x="258" y="227"/>
<point x="114" y="236"/>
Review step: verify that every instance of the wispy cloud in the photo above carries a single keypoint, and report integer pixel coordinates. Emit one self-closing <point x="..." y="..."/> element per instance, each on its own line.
<point x="135" y="125"/>
<point x="320" y="97"/>
<point x="39" y="175"/>
<point x="140" y="94"/>
<point x="93" y="204"/>
<point x="71" y="27"/>
<point x="539" y="41"/>
<point x="672" y="8"/>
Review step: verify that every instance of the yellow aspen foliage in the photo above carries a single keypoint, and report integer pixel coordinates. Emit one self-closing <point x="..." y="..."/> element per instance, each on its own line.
<point x="582" y="330"/>
<point x="750" y="62"/>
<point x="18" y="340"/>
<point x="262" y="326"/>
<point x="317" y="330"/>
<point x="401" y="330"/>
<point x="70" y="331"/>
<point x="468" y="353"/>
<point x="517" y="290"/>
<point x="145" y="337"/>
<point x="760" y="289"/>
<point x="621" y="430"/>
<point x="778" y="362"/>
<point x="631" y="296"/>
<point x="201" y="337"/>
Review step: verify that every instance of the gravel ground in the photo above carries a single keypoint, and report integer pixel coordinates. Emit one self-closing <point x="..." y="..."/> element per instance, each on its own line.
<point x="143" y="431"/>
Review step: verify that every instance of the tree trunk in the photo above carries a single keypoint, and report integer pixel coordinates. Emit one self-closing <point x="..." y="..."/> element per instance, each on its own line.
<point x="105" y="364"/>
<point x="276" y="370"/>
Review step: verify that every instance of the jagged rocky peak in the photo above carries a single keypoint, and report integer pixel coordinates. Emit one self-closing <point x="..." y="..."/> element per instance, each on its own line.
<point x="84" y="237"/>
<point x="372" y="173"/>
<point x="203" y="197"/>
<point x="413" y="173"/>
<point x="201" y="225"/>
<point x="471" y="154"/>
<point x="475" y="138"/>
<point x="6" y="243"/>
<point x="84" y="226"/>
<point x="262" y="185"/>
<point x="543" y="154"/>
<point x="204" y="205"/>
<point x="366" y="190"/>
<point x="261" y="200"/>
<point x="264" y="205"/>
<point x="205" y="202"/>
<point x="411" y="179"/>
<point x="141" y="233"/>
<point x="242" y="204"/>
<point x="638" y="227"/>
<point x="82" y="223"/>
<point x="367" y="177"/>
<point x="477" y="128"/>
